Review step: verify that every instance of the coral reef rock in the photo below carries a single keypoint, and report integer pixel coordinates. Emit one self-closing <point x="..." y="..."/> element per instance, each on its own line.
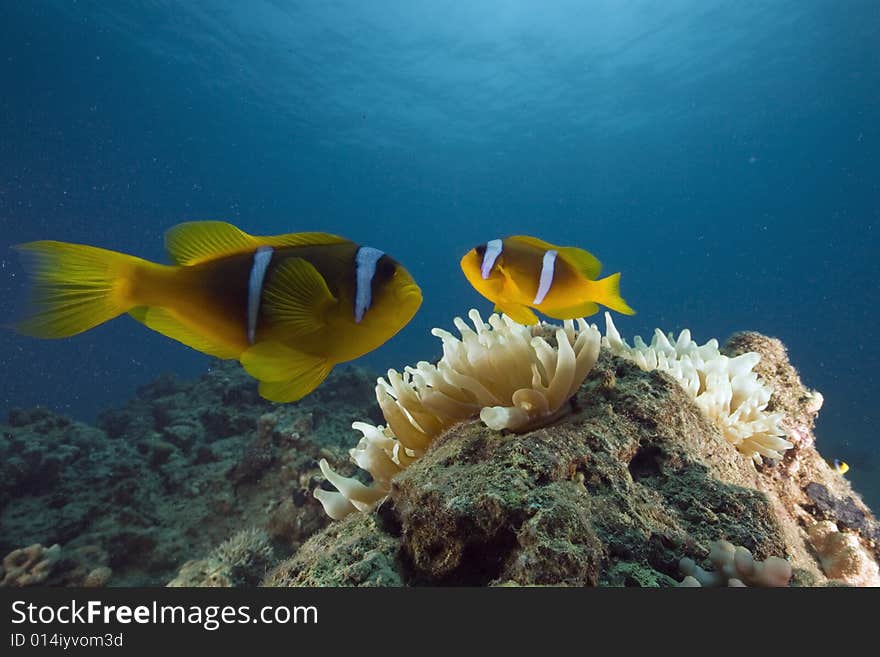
<point x="178" y="470"/>
<point x="614" y="494"/>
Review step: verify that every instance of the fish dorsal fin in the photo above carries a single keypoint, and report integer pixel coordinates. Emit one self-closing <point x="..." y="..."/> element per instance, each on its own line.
<point x="296" y="297"/>
<point x="583" y="261"/>
<point x="300" y="239"/>
<point x="194" y="242"/>
<point x="162" y="321"/>
<point x="199" y="241"/>
<point x="533" y="241"/>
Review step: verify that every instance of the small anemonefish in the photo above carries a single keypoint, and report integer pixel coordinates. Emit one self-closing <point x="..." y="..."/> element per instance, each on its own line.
<point x="288" y="307"/>
<point x="521" y="272"/>
<point x="840" y="467"/>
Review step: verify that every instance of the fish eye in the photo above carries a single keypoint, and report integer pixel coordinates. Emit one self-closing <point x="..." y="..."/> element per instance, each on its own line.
<point x="481" y="250"/>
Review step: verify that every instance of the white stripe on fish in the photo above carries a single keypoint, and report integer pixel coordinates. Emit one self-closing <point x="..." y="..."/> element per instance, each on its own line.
<point x="262" y="257"/>
<point x="365" y="268"/>
<point x="547" y="267"/>
<point x="493" y="250"/>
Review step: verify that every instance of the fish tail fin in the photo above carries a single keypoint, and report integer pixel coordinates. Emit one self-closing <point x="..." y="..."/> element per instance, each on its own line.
<point x="75" y="287"/>
<point x="607" y="292"/>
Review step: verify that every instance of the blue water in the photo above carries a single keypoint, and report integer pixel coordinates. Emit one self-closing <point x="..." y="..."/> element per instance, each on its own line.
<point x="724" y="156"/>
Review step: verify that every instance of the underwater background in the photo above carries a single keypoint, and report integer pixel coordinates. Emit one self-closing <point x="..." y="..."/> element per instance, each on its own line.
<point x="724" y="156"/>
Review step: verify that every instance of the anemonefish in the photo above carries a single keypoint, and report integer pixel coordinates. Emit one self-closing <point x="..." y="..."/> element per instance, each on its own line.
<point x="520" y="272"/>
<point x="288" y="307"/>
<point x="840" y="467"/>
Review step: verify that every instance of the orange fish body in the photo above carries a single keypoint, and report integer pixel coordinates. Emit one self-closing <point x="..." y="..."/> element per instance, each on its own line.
<point x="289" y="307"/>
<point x="522" y="273"/>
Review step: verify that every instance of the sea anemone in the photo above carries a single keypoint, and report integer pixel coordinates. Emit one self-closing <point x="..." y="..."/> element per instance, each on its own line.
<point x="514" y="377"/>
<point x="726" y="389"/>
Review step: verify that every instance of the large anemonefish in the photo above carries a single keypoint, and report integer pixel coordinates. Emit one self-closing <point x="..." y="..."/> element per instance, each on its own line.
<point x="289" y="307"/>
<point x="521" y="272"/>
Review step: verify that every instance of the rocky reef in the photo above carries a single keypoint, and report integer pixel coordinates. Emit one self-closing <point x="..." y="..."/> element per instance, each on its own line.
<point x="168" y="478"/>
<point x="205" y="484"/>
<point x="618" y="493"/>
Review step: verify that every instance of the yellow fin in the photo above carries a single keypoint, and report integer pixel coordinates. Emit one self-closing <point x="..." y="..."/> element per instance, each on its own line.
<point x="518" y="313"/>
<point x="607" y="292"/>
<point x="284" y="373"/>
<point x="301" y="239"/>
<point x="573" y="312"/>
<point x="584" y="261"/>
<point x="162" y="321"/>
<point x="297" y="296"/>
<point x="76" y="287"/>
<point x="533" y="241"/>
<point x="296" y="388"/>
<point x="199" y="241"/>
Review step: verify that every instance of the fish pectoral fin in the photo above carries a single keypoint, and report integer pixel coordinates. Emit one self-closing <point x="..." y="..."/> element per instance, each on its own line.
<point x="285" y="374"/>
<point x="573" y="312"/>
<point x="508" y="288"/>
<point x="297" y="297"/>
<point x="518" y="313"/>
<point x="199" y="241"/>
<point x="164" y="322"/>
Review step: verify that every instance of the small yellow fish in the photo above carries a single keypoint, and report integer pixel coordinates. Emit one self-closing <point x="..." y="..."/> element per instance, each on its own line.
<point x="840" y="467"/>
<point x="289" y="307"/>
<point x="520" y="272"/>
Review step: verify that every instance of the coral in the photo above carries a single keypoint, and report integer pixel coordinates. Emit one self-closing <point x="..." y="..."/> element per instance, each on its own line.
<point x="259" y="454"/>
<point x="842" y="555"/>
<point x="37" y="565"/>
<point x="515" y="377"/>
<point x="727" y="389"/>
<point x="181" y="467"/>
<point x="30" y="565"/>
<point x="629" y="574"/>
<point x="203" y="573"/>
<point x="241" y="560"/>
<point x="353" y="553"/>
<point x="98" y="577"/>
<point x="735" y="566"/>
<point x="249" y="549"/>
<point x="846" y="513"/>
